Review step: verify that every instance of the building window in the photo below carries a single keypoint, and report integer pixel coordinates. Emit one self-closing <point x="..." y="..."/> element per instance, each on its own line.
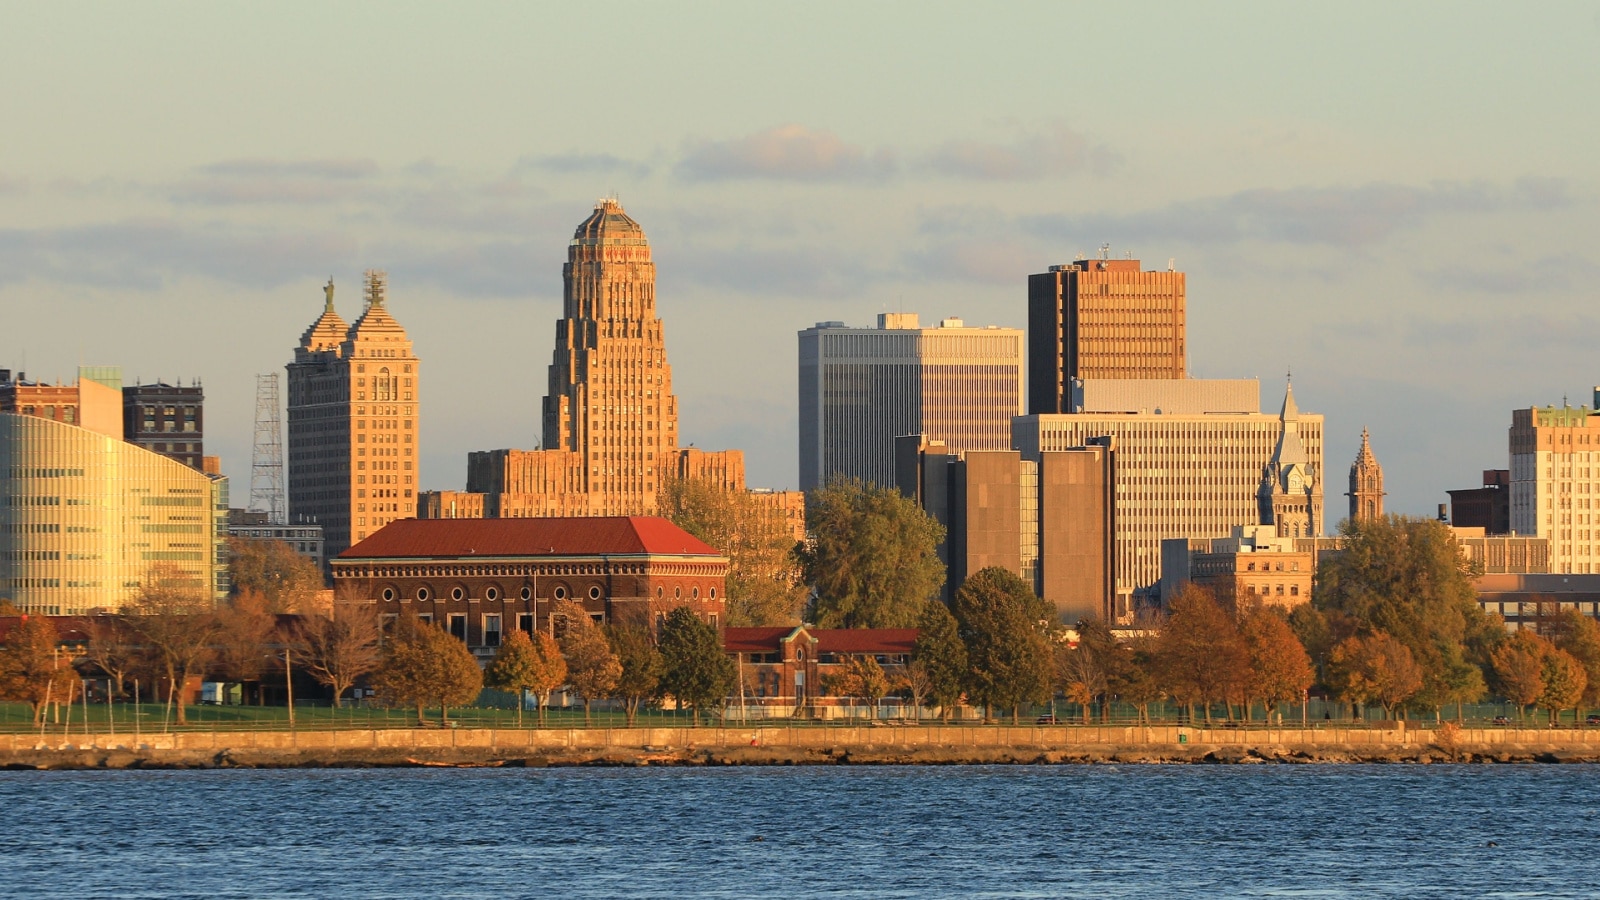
<point x="560" y="593"/>
<point x="456" y="593"/>
<point x="388" y="594"/>
<point x="491" y="630"/>
<point x="458" y="626"/>
<point x="491" y="593"/>
<point x="594" y="592"/>
<point x="527" y="592"/>
<point x="422" y="594"/>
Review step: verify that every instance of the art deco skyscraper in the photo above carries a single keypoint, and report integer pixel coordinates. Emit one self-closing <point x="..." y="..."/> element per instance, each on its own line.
<point x="610" y="396"/>
<point x="1101" y="319"/>
<point x="353" y="425"/>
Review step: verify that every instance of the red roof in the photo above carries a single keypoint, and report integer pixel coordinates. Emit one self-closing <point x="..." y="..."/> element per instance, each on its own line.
<point x="890" y="641"/>
<point x="69" y="629"/>
<point x="577" y="536"/>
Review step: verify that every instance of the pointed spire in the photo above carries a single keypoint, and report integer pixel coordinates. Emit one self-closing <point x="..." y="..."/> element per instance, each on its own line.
<point x="1290" y="410"/>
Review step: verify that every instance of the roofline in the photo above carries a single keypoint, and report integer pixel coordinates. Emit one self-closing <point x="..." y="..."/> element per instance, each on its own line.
<point x="696" y="557"/>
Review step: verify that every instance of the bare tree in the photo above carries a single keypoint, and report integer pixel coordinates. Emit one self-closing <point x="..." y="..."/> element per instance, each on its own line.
<point x="113" y="649"/>
<point x="246" y="630"/>
<point x="344" y="644"/>
<point x="178" y="626"/>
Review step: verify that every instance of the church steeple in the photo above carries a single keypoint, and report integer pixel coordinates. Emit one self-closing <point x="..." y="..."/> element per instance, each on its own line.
<point x="1366" y="484"/>
<point x="1290" y="496"/>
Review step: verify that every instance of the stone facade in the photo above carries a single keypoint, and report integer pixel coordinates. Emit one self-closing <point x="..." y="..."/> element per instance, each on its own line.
<point x="1555" y="483"/>
<point x="354" y="422"/>
<point x="1366" y="484"/>
<point x="1290" y="494"/>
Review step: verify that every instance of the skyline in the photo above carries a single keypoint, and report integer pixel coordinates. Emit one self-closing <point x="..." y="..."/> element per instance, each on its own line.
<point x="1396" y="215"/>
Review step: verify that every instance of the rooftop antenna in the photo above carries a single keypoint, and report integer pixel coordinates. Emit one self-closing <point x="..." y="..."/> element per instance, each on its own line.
<point x="266" y="459"/>
<point x="1105" y="250"/>
<point x="1172" y="264"/>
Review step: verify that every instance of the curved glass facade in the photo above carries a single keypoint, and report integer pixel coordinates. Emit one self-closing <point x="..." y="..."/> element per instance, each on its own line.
<point x="85" y="517"/>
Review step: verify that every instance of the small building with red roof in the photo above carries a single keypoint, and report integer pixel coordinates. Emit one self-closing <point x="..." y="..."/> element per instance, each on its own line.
<point x="786" y="670"/>
<point x="482" y="577"/>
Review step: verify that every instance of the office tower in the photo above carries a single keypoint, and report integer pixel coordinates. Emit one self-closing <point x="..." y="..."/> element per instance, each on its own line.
<point x="168" y="419"/>
<point x="1188" y="471"/>
<point x="860" y="388"/>
<point x="353" y="421"/>
<point x="1366" y="484"/>
<point x="85" y="517"/>
<point x="1555" y="483"/>
<point x="1051" y="520"/>
<point x="1101" y="319"/>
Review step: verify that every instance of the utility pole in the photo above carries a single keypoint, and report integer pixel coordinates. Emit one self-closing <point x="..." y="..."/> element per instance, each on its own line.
<point x="288" y="684"/>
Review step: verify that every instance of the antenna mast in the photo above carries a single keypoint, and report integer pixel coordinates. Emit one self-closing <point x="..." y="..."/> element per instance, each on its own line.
<point x="266" y="461"/>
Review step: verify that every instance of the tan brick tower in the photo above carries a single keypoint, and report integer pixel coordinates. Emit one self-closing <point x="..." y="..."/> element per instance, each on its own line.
<point x="610" y="396"/>
<point x="353" y="425"/>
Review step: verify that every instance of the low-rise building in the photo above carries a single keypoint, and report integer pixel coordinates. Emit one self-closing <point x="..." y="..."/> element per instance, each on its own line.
<point x="304" y="538"/>
<point x="1253" y="564"/>
<point x="1526" y="599"/>
<point x="784" y="670"/>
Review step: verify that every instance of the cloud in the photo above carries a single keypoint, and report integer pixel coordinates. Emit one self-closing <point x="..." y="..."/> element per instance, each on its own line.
<point x="986" y="262"/>
<point x="1343" y="217"/>
<point x="1547" y="275"/>
<point x="791" y="271"/>
<point x="256" y="181"/>
<point x="1056" y="151"/>
<point x="785" y="153"/>
<point x="585" y="164"/>
<point x="144" y="254"/>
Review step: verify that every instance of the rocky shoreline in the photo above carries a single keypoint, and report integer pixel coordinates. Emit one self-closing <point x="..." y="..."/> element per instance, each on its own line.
<point x="68" y="757"/>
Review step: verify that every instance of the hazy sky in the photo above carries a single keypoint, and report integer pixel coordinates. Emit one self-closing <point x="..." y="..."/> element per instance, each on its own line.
<point x="1397" y="201"/>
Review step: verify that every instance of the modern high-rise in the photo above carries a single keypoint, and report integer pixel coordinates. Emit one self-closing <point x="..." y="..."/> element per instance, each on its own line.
<point x="610" y="417"/>
<point x="860" y="388"/>
<point x="1555" y="483"/>
<point x="353" y="421"/>
<point x="168" y="419"/>
<point x="1192" y="470"/>
<point x="1366" y="484"/>
<point x="1101" y="319"/>
<point x="86" y="517"/>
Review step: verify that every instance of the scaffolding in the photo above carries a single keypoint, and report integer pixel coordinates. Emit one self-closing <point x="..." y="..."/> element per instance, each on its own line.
<point x="266" y="460"/>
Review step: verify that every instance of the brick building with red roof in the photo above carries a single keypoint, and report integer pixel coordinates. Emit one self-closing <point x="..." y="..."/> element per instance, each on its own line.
<point x="481" y="577"/>
<point x="784" y="668"/>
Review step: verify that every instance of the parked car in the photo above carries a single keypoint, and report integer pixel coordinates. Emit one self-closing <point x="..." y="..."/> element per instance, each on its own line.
<point x="1502" y="720"/>
<point x="1047" y="719"/>
<point x="1593" y="719"/>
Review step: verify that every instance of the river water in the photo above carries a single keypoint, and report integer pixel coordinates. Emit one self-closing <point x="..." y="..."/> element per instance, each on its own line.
<point x="980" y="831"/>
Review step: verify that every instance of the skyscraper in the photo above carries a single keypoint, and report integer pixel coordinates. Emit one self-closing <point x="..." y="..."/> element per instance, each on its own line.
<point x="1366" y="484"/>
<point x="353" y="421"/>
<point x="1101" y="319"/>
<point x="1555" y="483"/>
<point x="860" y="388"/>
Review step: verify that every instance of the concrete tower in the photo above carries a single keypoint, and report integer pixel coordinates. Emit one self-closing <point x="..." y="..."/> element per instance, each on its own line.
<point x="1366" y="484"/>
<point x="610" y="397"/>
<point x="1290" y="494"/>
<point x="353" y="425"/>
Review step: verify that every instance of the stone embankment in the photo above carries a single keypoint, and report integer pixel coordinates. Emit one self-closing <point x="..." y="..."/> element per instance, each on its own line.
<point x="799" y="745"/>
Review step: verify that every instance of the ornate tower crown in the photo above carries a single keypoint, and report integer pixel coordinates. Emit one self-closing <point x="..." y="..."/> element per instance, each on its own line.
<point x="1366" y="484"/>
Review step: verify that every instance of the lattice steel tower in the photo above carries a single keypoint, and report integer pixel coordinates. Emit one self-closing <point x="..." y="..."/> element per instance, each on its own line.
<point x="266" y="461"/>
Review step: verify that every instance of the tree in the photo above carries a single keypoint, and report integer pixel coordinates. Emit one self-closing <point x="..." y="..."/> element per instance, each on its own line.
<point x="1407" y="578"/>
<point x="1199" y="656"/>
<point x="763" y="577"/>
<point x="1086" y="673"/>
<point x="592" y="668"/>
<point x="525" y="664"/>
<point x="1375" y="668"/>
<point x="1279" y="669"/>
<point x="421" y="663"/>
<point x="640" y="677"/>
<point x="871" y="558"/>
<point x="1579" y="636"/>
<point x="695" y="670"/>
<point x="1519" y="669"/>
<point x="939" y="652"/>
<point x="32" y="667"/>
<point x="1008" y="657"/>
<point x="1564" y="682"/>
<point x="112" y="650"/>
<point x="342" y="644"/>
<point x="245" y="629"/>
<point x="862" y="677"/>
<point x="176" y="622"/>
<point x="286" y="581"/>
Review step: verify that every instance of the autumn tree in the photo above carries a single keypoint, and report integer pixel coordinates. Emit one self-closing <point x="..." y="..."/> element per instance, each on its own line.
<point x="1375" y="668"/>
<point x="871" y="557"/>
<point x="343" y="643"/>
<point x="174" y="619"/>
<point x="1564" y="682"/>
<point x="592" y="668"/>
<point x="1200" y="657"/>
<point x="938" y="650"/>
<point x="1003" y="626"/>
<point x="32" y="667"/>
<point x="1519" y="669"/>
<point x="422" y="663"/>
<point x="695" y="670"/>
<point x="1279" y="670"/>
<point x="528" y="663"/>
<point x="113" y="650"/>
<point x="640" y="677"/>
<point x="245" y="631"/>
<point x="1579" y="636"/>
<point x="763" y="583"/>
<point x="286" y="581"/>
<point x="863" y="677"/>
<point x="1088" y="671"/>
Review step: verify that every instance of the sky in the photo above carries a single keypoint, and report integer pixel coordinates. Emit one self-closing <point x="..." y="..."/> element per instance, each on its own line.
<point x="1396" y="202"/>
